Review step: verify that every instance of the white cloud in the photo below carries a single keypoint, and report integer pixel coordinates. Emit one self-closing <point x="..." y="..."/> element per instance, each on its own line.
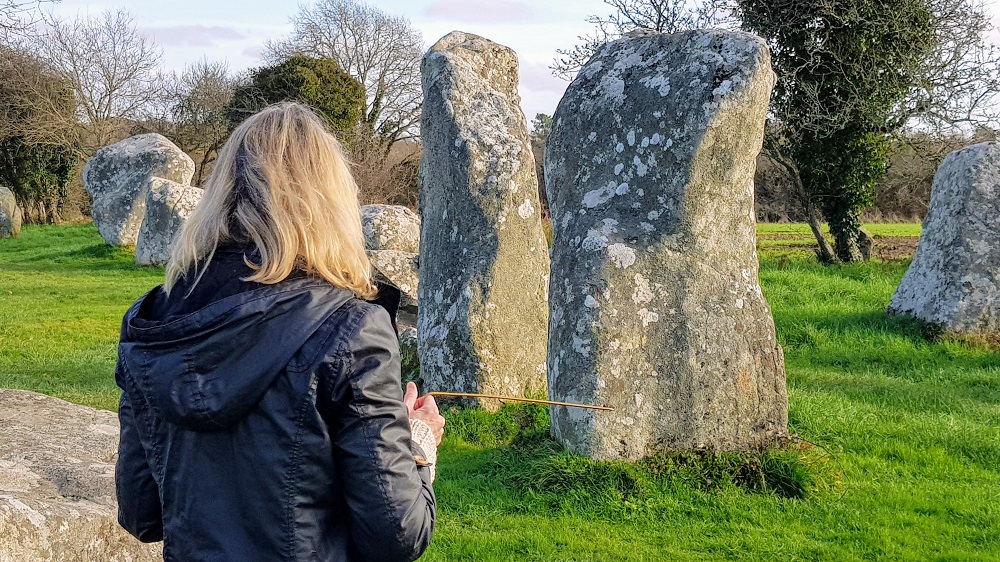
<point x="479" y="11"/>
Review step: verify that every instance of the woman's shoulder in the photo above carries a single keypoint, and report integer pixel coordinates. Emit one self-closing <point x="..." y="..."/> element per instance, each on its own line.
<point x="358" y="318"/>
<point x="356" y="325"/>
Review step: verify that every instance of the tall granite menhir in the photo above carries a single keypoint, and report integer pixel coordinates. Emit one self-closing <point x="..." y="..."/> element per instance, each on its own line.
<point x="655" y="305"/>
<point x="484" y="262"/>
<point x="954" y="280"/>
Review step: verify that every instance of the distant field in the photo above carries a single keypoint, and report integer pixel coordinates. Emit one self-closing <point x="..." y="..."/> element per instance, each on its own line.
<point x="912" y="427"/>
<point x="902" y="229"/>
<point x="892" y="241"/>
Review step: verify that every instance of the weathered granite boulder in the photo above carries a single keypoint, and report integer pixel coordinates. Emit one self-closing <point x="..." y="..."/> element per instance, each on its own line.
<point x="57" y="493"/>
<point x="168" y="205"/>
<point x="655" y="305"/>
<point x="408" y="340"/>
<point x="10" y="214"/>
<point x="392" y="240"/>
<point x="390" y="227"/>
<point x="117" y="176"/>
<point x="400" y="269"/>
<point x="954" y="280"/>
<point x="484" y="262"/>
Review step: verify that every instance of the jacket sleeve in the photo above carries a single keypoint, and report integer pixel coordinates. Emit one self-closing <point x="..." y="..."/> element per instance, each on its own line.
<point x="139" y="509"/>
<point x="390" y="500"/>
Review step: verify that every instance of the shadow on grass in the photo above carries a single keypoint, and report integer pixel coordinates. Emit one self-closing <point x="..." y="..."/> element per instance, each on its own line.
<point x="898" y="346"/>
<point x="515" y="450"/>
<point x="96" y="259"/>
<point x="53" y="247"/>
<point x="874" y="324"/>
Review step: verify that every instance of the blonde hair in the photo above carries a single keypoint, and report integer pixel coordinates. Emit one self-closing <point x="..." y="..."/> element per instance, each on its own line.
<point x="282" y="184"/>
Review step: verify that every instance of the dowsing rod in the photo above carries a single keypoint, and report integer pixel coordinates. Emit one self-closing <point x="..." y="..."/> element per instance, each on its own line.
<point x="516" y="399"/>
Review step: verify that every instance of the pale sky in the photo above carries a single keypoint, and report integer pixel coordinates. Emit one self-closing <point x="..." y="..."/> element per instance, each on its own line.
<point x="235" y="31"/>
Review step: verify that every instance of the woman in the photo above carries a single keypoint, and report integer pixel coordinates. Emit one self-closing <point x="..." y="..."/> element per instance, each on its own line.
<point x="262" y="417"/>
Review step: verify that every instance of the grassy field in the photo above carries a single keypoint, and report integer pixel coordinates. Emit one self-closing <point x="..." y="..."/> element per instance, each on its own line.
<point x="907" y="468"/>
<point x="802" y="230"/>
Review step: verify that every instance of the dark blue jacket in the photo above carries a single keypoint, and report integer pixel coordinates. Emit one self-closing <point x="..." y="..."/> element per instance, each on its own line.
<point x="266" y="423"/>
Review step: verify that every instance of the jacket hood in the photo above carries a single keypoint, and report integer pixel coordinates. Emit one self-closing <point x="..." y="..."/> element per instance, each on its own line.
<point x="206" y="370"/>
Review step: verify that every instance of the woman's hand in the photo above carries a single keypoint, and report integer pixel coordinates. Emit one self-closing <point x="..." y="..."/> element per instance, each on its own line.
<point x="424" y="408"/>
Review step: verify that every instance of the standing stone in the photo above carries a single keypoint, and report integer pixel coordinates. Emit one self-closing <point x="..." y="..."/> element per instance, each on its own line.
<point x="954" y="280"/>
<point x="10" y="214"/>
<point x="655" y="306"/>
<point x="117" y="176"/>
<point x="168" y="205"/>
<point x="484" y="263"/>
<point x="57" y="484"/>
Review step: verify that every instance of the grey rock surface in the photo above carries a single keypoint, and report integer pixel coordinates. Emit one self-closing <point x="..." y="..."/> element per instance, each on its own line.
<point x="168" y="205"/>
<point x="407" y="339"/>
<point x="390" y="227"/>
<point x="117" y="175"/>
<point x="655" y="304"/>
<point x="954" y="279"/>
<point x="400" y="269"/>
<point x="57" y="499"/>
<point x="483" y="256"/>
<point x="392" y="240"/>
<point x="10" y="214"/>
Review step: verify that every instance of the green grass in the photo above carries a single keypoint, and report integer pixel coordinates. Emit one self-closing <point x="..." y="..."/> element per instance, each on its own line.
<point x="63" y="292"/>
<point x="907" y="468"/>
<point x="900" y="229"/>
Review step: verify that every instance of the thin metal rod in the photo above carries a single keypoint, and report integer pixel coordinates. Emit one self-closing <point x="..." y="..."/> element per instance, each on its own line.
<point x="516" y="399"/>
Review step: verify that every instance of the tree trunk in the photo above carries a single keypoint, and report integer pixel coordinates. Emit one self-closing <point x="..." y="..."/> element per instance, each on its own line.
<point x="824" y="252"/>
<point x="846" y="244"/>
<point x="200" y="177"/>
<point x="853" y="243"/>
<point x="52" y="215"/>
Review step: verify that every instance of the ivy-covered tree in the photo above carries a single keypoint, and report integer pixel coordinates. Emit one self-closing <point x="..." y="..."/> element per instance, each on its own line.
<point x="37" y="172"/>
<point x="38" y="175"/>
<point x="844" y="67"/>
<point x="319" y="83"/>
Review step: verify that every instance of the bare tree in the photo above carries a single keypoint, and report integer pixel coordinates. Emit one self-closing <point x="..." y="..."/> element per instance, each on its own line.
<point x="112" y="70"/>
<point x="380" y="50"/>
<point x="198" y="99"/>
<point x="18" y="16"/>
<point x="957" y="85"/>
<point x="662" y="16"/>
<point x="386" y="177"/>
